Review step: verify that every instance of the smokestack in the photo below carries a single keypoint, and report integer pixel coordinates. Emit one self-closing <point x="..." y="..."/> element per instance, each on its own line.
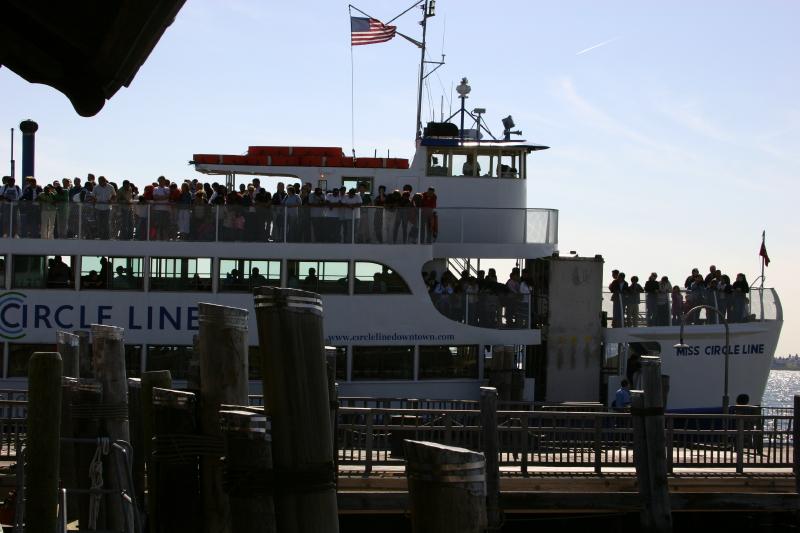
<point x="28" y="129"/>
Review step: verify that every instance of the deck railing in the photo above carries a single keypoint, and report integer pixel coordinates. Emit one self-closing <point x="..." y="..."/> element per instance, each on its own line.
<point x="645" y="310"/>
<point x="266" y="223"/>
<point x="370" y="437"/>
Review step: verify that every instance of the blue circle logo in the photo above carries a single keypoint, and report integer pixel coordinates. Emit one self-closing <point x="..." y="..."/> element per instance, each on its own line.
<point x="10" y="301"/>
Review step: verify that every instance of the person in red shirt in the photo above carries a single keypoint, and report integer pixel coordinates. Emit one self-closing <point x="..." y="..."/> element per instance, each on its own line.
<point x="429" y="220"/>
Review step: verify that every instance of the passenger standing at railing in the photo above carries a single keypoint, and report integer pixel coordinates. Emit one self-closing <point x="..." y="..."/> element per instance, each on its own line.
<point x="414" y="215"/>
<point x="316" y="206"/>
<point x="377" y="222"/>
<point x="740" y="291"/>
<point x="651" y="297"/>
<point x="305" y="213"/>
<point x="292" y="204"/>
<point x="160" y="210"/>
<point x="632" y="302"/>
<point x="677" y="305"/>
<point x="333" y="202"/>
<point x="102" y="196"/>
<point x="125" y="199"/>
<point x="277" y="212"/>
<point x="47" y="209"/>
<point x="616" y="304"/>
<point x="10" y="193"/>
<point x="724" y="293"/>
<point x="29" y="210"/>
<point x="352" y="213"/>
<point x="184" y="207"/>
<point x="429" y="229"/>
<point x="696" y="296"/>
<point x="62" y="207"/>
<point x="662" y="302"/>
<point x="403" y="204"/>
<point x="365" y="221"/>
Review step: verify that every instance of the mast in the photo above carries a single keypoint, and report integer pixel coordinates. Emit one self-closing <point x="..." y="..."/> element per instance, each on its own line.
<point x="428" y="7"/>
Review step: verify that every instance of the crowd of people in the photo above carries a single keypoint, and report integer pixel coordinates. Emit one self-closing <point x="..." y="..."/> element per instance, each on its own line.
<point x="167" y="210"/>
<point x="482" y="300"/>
<point x="667" y="304"/>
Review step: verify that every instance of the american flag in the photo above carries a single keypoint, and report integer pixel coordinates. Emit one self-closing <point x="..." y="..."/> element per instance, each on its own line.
<point x="369" y="31"/>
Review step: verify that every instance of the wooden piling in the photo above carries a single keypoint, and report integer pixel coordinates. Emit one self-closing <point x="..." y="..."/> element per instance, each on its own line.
<point x="67" y="460"/>
<point x="177" y="506"/>
<point x="86" y="397"/>
<point x="491" y="447"/>
<point x="640" y="462"/>
<point x="68" y="346"/>
<point x="446" y="488"/>
<point x="150" y="380"/>
<point x="652" y="413"/>
<point x="43" y="441"/>
<point x="137" y="438"/>
<point x="248" y="465"/>
<point x="108" y="362"/>
<point x="223" y="380"/>
<point x="296" y="399"/>
<point x="84" y="354"/>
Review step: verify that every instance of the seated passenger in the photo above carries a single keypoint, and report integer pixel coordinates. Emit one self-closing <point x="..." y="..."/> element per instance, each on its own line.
<point x="436" y="169"/>
<point x="311" y="282"/>
<point x="378" y="285"/>
<point x="59" y="275"/>
<point x="93" y="281"/>
<point x="257" y="279"/>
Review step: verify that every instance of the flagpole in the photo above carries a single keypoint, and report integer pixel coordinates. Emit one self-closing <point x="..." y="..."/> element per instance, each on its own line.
<point x="421" y="69"/>
<point x="763" y="260"/>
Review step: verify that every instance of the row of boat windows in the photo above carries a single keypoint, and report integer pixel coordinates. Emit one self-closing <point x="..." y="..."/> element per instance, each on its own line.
<point x="198" y="274"/>
<point x="360" y="363"/>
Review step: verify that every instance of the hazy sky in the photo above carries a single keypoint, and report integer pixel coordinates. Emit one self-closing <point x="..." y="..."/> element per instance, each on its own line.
<point x="674" y="126"/>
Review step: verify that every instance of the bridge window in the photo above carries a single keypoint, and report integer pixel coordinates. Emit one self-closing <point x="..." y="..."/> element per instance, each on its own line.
<point x="180" y="274"/>
<point x="383" y="362"/>
<point x="114" y="273"/>
<point x="170" y="357"/>
<point x="438" y="163"/>
<point x="42" y="272"/>
<point x="508" y="165"/>
<point x="324" y="277"/>
<point x="448" y="362"/>
<point x="350" y="182"/>
<point x="245" y="274"/>
<point x="375" y="278"/>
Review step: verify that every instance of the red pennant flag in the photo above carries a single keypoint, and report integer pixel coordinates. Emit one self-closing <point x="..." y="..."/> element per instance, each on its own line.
<point x="763" y="253"/>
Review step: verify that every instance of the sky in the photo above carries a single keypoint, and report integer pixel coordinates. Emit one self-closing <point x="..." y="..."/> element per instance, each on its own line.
<point x="673" y="126"/>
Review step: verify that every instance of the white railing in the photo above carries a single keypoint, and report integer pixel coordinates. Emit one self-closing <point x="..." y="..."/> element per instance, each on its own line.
<point x="266" y="223"/>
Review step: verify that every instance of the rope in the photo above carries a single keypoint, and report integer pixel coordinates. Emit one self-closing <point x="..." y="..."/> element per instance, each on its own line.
<point x="113" y="411"/>
<point x="96" y="477"/>
<point x="183" y="448"/>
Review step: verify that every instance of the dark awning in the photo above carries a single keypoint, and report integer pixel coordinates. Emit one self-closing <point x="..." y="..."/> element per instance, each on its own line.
<point x="87" y="49"/>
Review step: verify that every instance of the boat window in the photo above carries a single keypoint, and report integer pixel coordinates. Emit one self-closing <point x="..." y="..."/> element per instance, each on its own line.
<point x="383" y="362"/>
<point x="448" y="362"/>
<point x="42" y="272"/>
<point x="114" y="273"/>
<point x="174" y="358"/>
<point x="2" y="272"/>
<point x="324" y="277"/>
<point x="245" y="274"/>
<point x="350" y="182"/>
<point x="375" y="278"/>
<point x="611" y="358"/>
<point x="133" y="360"/>
<point x="341" y="363"/>
<point x="20" y="354"/>
<point x="486" y="164"/>
<point x="437" y="163"/>
<point x="508" y="165"/>
<point x="464" y="165"/>
<point x="180" y="274"/>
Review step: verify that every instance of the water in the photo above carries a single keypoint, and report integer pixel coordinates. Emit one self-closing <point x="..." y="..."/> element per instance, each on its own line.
<point x="782" y="385"/>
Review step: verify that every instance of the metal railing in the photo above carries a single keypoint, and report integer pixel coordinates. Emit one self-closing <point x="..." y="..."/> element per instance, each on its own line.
<point x="641" y="310"/>
<point x="486" y="309"/>
<point x="267" y="223"/>
<point x="371" y="437"/>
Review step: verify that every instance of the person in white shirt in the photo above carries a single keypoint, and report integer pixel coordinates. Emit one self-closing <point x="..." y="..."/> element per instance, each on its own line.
<point x="161" y="208"/>
<point x="351" y="212"/>
<point x="102" y="195"/>
<point x="334" y="203"/>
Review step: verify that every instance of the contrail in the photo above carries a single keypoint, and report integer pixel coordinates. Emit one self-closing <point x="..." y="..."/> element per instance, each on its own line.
<point x="598" y="45"/>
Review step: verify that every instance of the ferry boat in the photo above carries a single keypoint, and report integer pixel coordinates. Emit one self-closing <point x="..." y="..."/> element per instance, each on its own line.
<point x="144" y="267"/>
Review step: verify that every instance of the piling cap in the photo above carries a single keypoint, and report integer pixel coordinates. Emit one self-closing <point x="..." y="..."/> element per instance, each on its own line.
<point x="245" y="422"/>
<point x="108" y="332"/>
<point x="294" y="299"/>
<point x="232" y="317"/>
<point x="172" y="398"/>
<point x="28" y="126"/>
<point x="65" y="337"/>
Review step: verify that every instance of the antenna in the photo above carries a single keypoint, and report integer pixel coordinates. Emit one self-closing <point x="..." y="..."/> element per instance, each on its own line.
<point x="12" y="152"/>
